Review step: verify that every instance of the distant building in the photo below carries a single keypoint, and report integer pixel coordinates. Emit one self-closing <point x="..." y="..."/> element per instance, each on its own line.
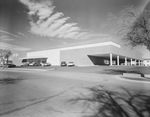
<point x="146" y="62"/>
<point x="104" y="51"/>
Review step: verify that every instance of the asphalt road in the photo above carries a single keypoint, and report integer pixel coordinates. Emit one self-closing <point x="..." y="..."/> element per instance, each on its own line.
<point x="45" y="94"/>
<point x="25" y="94"/>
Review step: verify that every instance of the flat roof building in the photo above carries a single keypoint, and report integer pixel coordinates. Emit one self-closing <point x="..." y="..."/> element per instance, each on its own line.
<point x="104" y="51"/>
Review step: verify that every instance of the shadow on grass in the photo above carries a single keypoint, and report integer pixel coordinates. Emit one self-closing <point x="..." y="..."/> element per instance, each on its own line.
<point x="118" y="72"/>
<point x="102" y="102"/>
<point x="10" y="80"/>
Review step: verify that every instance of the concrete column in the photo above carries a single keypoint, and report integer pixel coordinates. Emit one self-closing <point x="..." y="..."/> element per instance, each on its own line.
<point x="125" y="61"/>
<point x="139" y="63"/>
<point x="118" y="60"/>
<point x="131" y="61"/>
<point x="135" y="62"/>
<point x="110" y="59"/>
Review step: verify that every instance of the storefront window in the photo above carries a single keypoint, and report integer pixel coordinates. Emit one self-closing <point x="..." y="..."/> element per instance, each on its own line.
<point x="24" y="60"/>
<point x="114" y="62"/>
<point x="106" y="62"/>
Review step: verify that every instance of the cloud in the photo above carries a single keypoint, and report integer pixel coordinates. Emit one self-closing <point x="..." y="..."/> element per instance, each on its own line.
<point x="6" y="38"/>
<point x="5" y="32"/>
<point x="21" y="34"/>
<point x="12" y="47"/>
<point x="97" y="35"/>
<point x="3" y="37"/>
<point x="49" y="23"/>
<point x="49" y="31"/>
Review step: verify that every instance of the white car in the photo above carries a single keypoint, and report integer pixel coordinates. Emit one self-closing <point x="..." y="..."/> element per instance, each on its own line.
<point x="31" y="64"/>
<point x="45" y="64"/>
<point x="70" y="64"/>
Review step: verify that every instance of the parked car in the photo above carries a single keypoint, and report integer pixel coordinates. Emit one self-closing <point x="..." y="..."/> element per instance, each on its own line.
<point x="63" y="63"/>
<point x="25" y="64"/>
<point x="34" y="64"/>
<point x="31" y="64"/>
<point x="11" y="65"/>
<point x="122" y="63"/>
<point x="70" y="64"/>
<point x="45" y="64"/>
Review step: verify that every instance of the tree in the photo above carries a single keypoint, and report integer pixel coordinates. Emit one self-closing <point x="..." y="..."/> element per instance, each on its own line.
<point x="139" y="32"/>
<point x="4" y="56"/>
<point x="132" y="26"/>
<point x="8" y="53"/>
<point x="120" y="23"/>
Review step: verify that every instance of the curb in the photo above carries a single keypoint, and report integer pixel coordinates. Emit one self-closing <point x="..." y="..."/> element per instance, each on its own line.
<point x="131" y="79"/>
<point x="20" y="69"/>
<point x="136" y="75"/>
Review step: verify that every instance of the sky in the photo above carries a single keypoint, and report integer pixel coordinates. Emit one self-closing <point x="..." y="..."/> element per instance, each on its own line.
<point x="30" y="25"/>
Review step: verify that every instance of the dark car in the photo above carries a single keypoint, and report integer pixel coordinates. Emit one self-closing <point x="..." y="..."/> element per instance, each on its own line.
<point x="63" y="63"/>
<point x="36" y="64"/>
<point x="11" y="65"/>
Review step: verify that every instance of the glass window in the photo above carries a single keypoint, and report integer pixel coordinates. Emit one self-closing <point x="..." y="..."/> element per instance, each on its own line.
<point x="24" y="60"/>
<point x="113" y="62"/>
<point x="106" y="62"/>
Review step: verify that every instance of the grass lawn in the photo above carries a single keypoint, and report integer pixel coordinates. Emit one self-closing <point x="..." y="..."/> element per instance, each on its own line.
<point x="98" y="69"/>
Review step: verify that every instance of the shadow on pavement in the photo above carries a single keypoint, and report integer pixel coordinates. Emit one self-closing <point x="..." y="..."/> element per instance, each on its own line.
<point x="104" y="102"/>
<point x="10" y="80"/>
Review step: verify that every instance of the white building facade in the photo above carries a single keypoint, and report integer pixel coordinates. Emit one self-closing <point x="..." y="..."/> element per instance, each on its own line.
<point x="146" y="62"/>
<point x="102" y="52"/>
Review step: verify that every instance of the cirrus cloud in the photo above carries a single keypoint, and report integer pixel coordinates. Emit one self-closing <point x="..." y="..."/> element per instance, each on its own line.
<point x="6" y="38"/>
<point x="8" y="33"/>
<point x="12" y="47"/>
<point x="46" y="22"/>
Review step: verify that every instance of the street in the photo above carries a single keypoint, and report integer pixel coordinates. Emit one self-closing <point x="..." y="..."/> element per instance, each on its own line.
<point x="46" y="94"/>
